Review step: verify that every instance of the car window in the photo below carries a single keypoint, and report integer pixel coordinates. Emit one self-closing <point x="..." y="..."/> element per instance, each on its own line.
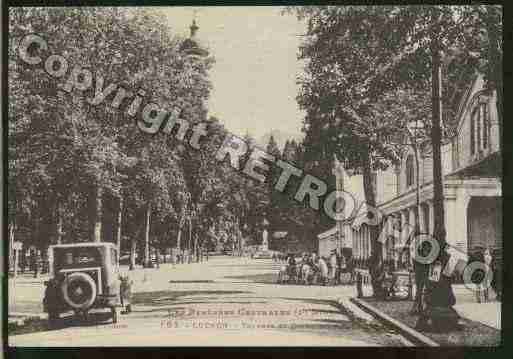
<point x="77" y="257"/>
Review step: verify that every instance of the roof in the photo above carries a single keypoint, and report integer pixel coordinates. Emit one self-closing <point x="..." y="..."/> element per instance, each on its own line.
<point x="489" y="166"/>
<point x="84" y="244"/>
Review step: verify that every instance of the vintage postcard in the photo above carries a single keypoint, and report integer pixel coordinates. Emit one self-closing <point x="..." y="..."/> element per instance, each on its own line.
<point x="254" y="176"/>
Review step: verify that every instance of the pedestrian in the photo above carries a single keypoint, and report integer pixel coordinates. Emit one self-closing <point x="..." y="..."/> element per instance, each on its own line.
<point x="487" y="261"/>
<point x="125" y="289"/>
<point x="496" y="283"/>
<point x="157" y="258"/>
<point x="323" y="270"/>
<point x="341" y="266"/>
<point x="313" y="258"/>
<point x="480" y="279"/>
<point x="333" y="267"/>
<point x="23" y="262"/>
<point x="291" y="266"/>
<point x="37" y="263"/>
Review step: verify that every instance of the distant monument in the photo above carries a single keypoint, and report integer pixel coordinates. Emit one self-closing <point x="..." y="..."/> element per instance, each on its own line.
<point x="265" y="242"/>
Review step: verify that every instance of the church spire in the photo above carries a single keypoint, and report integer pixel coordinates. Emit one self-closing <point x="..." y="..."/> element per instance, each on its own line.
<point x="191" y="46"/>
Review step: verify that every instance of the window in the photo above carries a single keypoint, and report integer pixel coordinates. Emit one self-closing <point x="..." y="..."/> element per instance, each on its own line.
<point x="77" y="257"/>
<point x="472" y="133"/>
<point x="410" y="174"/>
<point x="479" y="128"/>
<point x="486" y="126"/>
<point x="397" y="182"/>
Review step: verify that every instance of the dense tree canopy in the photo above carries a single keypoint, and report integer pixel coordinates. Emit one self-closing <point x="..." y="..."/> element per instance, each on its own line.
<point x="80" y="171"/>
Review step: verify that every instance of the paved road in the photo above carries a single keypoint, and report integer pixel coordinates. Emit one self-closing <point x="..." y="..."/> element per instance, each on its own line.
<point x="225" y="301"/>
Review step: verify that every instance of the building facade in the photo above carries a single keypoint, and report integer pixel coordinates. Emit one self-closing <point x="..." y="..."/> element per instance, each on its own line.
<point x="471" y="168"/>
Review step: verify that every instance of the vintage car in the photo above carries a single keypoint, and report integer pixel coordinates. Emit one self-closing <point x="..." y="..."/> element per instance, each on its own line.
<point x="83" y="276"/>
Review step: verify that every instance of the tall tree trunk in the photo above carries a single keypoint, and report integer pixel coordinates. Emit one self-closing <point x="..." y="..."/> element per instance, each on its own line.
<point x="376" y="260"/>
<point x="196" y="254"/>
<point x="147" y="237"/>
<point x="11" y="241"/>
<point x="178" y="238"/>
<point x="440" y="296"/>
<point x="120" y="218"/>
<point x="436" y="140"/>
<point x="59" y="222"/>
<point x="189" y="245"/>
<point x="98" y="214"/>
<point x="133" y="248"/>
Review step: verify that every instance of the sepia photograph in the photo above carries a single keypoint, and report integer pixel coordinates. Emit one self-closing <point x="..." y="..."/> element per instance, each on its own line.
<point x="253" y="176"/>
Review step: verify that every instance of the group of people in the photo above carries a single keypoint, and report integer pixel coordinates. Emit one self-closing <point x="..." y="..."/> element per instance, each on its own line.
<point x="326" y="269"/>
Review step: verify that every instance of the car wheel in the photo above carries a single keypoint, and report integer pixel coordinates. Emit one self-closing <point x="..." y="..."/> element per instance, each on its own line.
<point x="79" y="291"/>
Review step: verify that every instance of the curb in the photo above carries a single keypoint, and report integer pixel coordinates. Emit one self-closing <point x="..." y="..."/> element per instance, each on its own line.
<point x="411" y="334"/>
<point x="27" y="315"/>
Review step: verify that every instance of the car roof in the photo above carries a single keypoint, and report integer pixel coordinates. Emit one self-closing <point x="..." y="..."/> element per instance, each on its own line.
<point x="84" y="244"/>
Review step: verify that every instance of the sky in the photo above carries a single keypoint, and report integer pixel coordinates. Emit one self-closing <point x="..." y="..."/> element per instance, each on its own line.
<point x="254" y="77"/>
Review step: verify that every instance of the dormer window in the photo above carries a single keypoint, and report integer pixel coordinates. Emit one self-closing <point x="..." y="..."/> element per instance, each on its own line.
<point x="410" y="171"/>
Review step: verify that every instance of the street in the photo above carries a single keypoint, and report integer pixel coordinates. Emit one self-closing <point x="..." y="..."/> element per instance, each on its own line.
<point x="227" y="301"/>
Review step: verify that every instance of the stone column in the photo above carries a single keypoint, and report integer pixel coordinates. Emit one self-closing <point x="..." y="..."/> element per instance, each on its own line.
<point x="456" y="222"/>
<point x="421" y="219"/>
<point x="431" y="228"/>
<point x="412" y="219"/>
<point x="405" y="220"/>
<point x="383" y="247"/>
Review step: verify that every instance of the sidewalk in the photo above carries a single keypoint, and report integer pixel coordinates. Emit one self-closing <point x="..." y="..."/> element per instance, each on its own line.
<point x="480" y="322"/>
<point x="467" y="307"/>
<point x="485" y="313"/>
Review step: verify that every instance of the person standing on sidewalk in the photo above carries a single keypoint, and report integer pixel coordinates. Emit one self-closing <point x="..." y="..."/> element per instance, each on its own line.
<point x="333" y="267"/>
<point x="37" y="263"/>
<point x="157" y="258"/>
<point x="479" y="288"/>
<point x="488" y="261"/>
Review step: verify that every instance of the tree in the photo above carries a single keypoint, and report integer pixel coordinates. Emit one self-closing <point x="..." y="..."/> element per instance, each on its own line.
<point x="356" y="58"/>
<point x="344" y="48"/>
<point x="64" y="171"/>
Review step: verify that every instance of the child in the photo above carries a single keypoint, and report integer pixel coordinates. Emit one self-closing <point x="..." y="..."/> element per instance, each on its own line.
<point x="125" y="289"/>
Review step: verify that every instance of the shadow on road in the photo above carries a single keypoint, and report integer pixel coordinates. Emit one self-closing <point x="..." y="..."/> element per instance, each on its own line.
<point x="167" y="297"/>
<point x="249" y="266"/>
<point x="269" y="278"/>
<point x="333" y="303"/>
<point x="66" y="321"/>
